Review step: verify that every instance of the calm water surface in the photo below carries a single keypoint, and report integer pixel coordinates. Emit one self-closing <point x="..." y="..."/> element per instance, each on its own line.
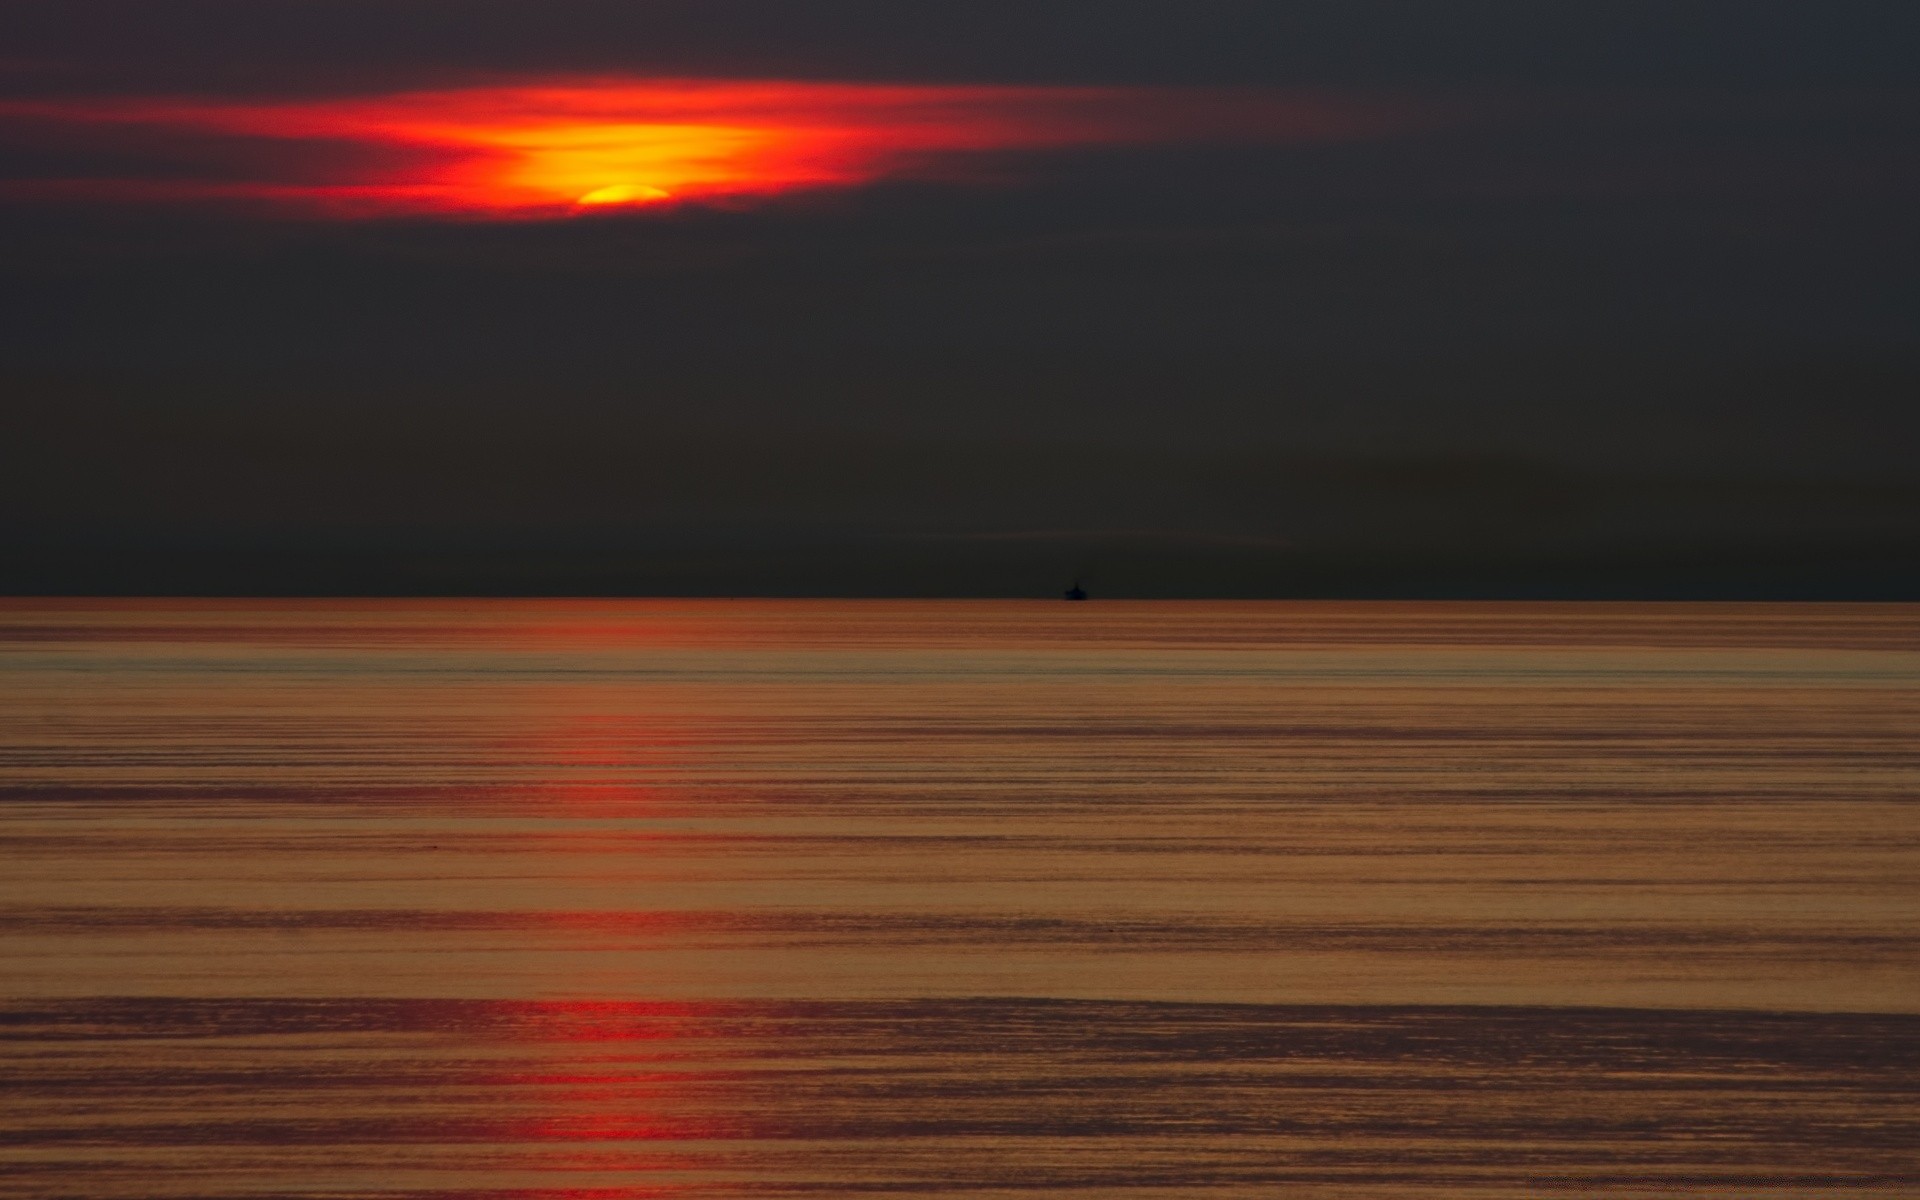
<point x="738" y="898"/>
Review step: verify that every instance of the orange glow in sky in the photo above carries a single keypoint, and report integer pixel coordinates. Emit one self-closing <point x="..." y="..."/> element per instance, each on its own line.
<point x="556" y="148"/>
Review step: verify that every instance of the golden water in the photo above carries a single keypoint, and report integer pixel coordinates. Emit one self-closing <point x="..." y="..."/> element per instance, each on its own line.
<point x="718" y="898"/>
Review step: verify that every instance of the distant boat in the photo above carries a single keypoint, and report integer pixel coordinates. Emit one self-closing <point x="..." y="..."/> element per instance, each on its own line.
<point x="1076" y="592"/>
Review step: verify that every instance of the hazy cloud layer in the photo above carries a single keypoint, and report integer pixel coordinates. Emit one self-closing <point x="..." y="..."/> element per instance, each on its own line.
<point x="1623" y="293"/>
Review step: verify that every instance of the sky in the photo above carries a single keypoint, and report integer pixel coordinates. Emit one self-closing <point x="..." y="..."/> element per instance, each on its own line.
<point x="867" y="297"/>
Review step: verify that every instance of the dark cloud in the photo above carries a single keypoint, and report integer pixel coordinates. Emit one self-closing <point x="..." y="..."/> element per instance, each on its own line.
<point x="354" y="44"/>
<point x="703" y="476"/>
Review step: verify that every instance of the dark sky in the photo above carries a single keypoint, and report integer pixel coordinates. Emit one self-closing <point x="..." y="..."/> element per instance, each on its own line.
<point x="1620" y="300"/>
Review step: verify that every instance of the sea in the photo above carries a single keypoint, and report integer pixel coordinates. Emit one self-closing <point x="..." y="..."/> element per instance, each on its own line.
<point x="716" y="898"/>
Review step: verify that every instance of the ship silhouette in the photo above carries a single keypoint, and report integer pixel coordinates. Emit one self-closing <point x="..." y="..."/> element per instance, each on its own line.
<point x="1076" y="592"/>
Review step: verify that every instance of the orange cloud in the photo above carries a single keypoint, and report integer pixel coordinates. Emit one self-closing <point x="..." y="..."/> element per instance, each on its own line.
<point x="555" y="148"/>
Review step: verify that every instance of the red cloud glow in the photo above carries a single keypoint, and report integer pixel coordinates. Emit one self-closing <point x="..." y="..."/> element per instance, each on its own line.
<point x="555" y="148"/>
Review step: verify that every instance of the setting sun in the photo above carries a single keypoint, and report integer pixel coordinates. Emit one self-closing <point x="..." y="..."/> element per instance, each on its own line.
<point x="547" y="148"/>
<point x="552" y="148"/>
<point x="624" y="193"/>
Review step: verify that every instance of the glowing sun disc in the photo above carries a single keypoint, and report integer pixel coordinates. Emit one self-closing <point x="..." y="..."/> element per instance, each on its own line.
<point x="544" y="147"/>
<point x="623" y="193"/>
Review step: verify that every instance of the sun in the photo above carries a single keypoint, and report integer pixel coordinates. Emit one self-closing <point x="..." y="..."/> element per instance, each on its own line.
<point x="623" y="194"/>
<point x="552" y="147"/>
